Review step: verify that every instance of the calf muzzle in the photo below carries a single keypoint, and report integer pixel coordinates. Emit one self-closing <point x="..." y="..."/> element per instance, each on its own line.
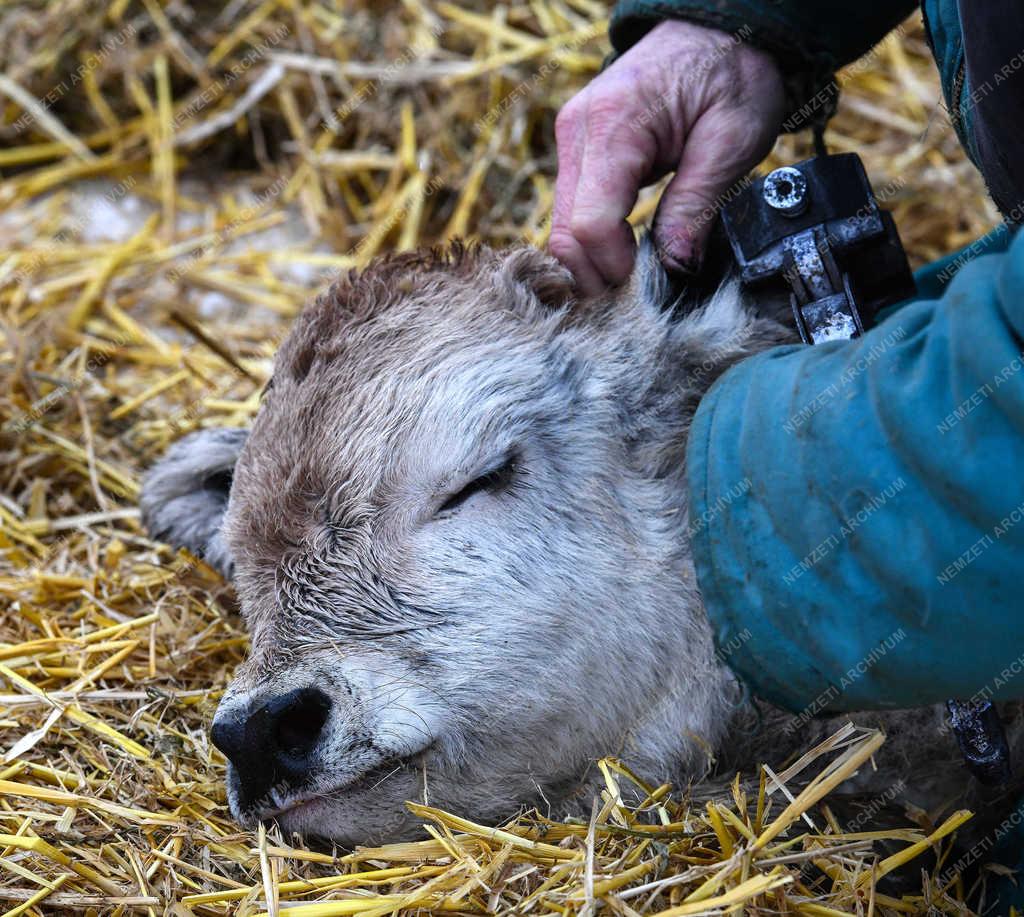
<point x="272" y="744"/>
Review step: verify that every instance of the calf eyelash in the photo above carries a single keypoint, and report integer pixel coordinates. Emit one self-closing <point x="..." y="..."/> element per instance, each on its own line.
<point x="497" y="478"/>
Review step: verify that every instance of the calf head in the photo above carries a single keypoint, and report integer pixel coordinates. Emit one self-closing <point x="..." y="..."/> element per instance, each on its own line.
<point x="458" y="532"/>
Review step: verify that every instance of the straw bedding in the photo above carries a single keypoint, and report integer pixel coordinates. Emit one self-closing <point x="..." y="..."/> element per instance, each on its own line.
<point x="176" y="182"/>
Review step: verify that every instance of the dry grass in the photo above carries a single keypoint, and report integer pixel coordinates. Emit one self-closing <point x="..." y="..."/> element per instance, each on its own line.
<point x="388" y="125"/>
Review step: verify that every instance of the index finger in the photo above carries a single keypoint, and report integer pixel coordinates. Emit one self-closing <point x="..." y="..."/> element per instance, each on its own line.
<point x="569" y="136"/>
<point x="617" y="160"/>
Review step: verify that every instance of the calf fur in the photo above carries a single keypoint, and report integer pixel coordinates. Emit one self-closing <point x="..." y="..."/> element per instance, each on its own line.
<point x="460" y="515"/>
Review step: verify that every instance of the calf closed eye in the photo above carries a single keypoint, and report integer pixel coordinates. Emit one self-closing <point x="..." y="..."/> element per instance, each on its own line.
<point x="497" y="478"/>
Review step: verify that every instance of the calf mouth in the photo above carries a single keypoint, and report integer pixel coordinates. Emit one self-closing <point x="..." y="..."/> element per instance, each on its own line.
<point x="304" y="800"/>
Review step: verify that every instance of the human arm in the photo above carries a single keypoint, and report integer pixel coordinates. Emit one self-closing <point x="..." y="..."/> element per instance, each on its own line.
<point x="858" y="507"/>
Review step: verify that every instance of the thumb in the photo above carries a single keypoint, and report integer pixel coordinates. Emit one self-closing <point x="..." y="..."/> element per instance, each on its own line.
<point x="711" y="172"/>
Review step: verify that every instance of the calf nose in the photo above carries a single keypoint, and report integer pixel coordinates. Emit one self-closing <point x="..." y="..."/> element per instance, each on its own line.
<point x="272" y="743"/>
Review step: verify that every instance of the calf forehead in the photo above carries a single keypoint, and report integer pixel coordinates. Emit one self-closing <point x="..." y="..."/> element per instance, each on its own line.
<point x="385" y="412"/>
<point x="352" y="417"/>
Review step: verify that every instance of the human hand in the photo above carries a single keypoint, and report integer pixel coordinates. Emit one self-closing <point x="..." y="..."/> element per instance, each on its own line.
<point x="684" y="98"/>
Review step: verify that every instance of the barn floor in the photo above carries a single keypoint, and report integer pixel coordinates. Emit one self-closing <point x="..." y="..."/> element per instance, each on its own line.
<point x="174" y="185"/>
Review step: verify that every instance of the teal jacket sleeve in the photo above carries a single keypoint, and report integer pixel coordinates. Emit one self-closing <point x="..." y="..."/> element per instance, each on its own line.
<point x="858" y="507"/>
<point x="809" y="40"/>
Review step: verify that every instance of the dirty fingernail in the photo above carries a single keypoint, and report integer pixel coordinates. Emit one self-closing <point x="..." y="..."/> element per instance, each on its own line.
<point x="682" y="258"/>
<point x="679" y="252"/>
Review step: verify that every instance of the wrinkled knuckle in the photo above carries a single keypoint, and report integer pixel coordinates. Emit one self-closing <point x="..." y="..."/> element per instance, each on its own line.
<point x="732" y="137"/>
<point x="754" y="63"/>
<point x="744" y="76"/>
<point x="562" y="245"/>
<point x="590" y="228"/>
<point x="733" y="143"/>
<point x="567" y="121"/>
<point x="606" y="114"/>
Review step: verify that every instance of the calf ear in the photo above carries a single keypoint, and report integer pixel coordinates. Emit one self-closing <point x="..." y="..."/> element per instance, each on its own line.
<point x="185" y="494"/>
<point x="542" y="275"/>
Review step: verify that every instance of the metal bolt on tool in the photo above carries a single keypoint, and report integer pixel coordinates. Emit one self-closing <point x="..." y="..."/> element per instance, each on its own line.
<point x="785" y="190"/>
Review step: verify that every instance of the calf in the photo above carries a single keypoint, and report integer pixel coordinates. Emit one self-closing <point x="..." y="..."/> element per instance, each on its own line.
<point x="458" y="530"/>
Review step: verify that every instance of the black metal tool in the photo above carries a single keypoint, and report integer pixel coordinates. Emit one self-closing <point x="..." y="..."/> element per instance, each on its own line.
<point x="982" y="740"/>
<point x="815" y="230"/>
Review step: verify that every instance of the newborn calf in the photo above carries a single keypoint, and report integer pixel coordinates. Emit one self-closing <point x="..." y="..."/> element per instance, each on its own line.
<point x="459" y="534"/>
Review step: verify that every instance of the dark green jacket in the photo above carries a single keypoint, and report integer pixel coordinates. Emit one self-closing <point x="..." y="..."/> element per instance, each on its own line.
<point x="850" y="492"/>
<point x="858" y="507"/>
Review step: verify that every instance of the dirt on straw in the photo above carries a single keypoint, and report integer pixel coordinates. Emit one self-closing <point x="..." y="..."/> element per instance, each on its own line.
<point x="257" y="149"/>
